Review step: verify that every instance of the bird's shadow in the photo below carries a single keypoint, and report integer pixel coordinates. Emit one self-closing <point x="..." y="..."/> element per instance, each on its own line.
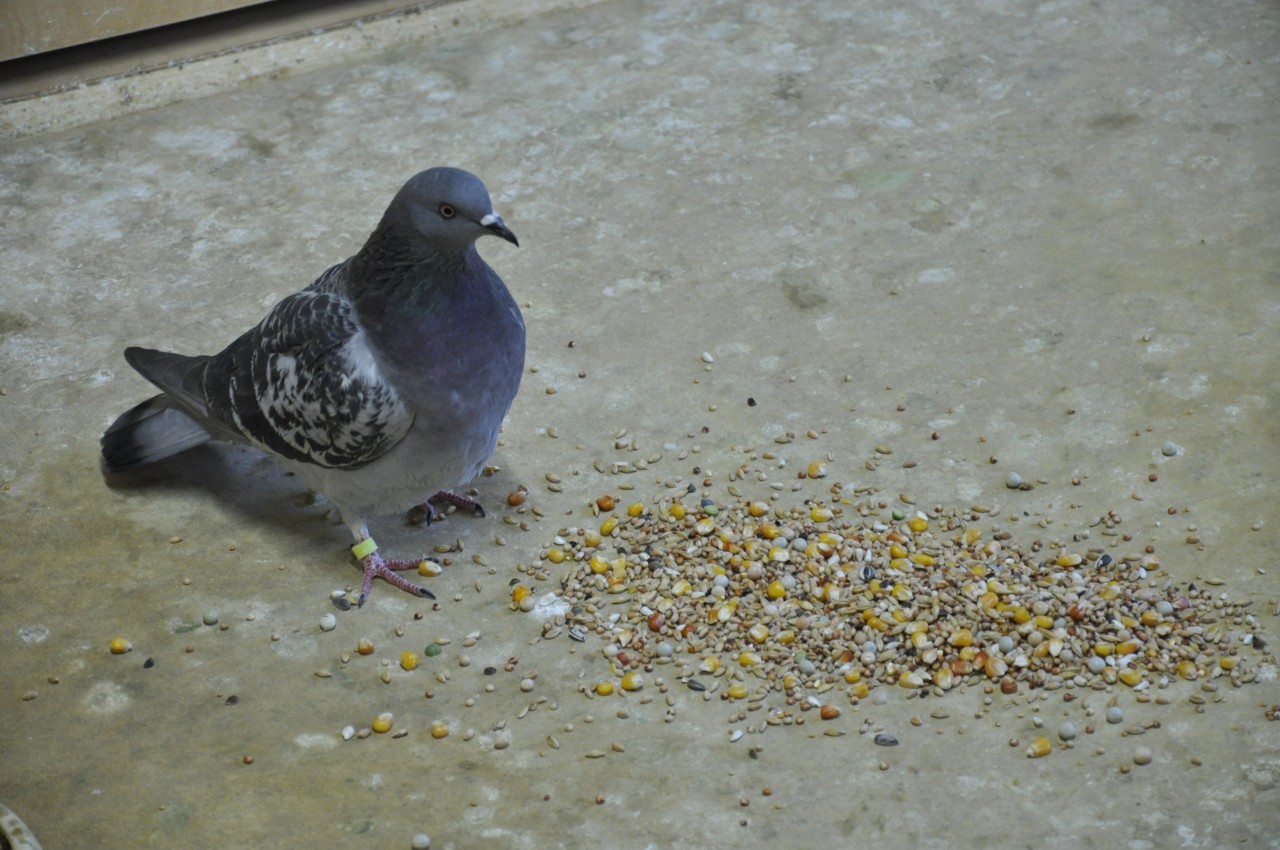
<point x="259" y="491"/>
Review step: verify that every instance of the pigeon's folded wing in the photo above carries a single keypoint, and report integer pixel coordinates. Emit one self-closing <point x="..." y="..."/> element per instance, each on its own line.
<point x="305" y="385"/>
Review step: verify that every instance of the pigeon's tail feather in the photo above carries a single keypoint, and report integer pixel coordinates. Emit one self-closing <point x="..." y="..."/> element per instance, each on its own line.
<point x="149" y="432"/>
<point x="179" y="375"/>
<point x="163" y="425"/>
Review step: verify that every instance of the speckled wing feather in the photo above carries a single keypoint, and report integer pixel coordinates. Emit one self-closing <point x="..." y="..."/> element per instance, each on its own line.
<point x="303" y="383"/>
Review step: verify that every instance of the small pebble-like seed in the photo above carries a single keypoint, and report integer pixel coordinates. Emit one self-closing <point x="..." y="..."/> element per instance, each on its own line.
<point x="1142" y="755"/>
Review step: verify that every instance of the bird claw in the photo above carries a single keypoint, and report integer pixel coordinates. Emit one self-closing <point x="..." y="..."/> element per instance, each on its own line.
<point x="375" y="565"/>
<point x="460" y="502"/>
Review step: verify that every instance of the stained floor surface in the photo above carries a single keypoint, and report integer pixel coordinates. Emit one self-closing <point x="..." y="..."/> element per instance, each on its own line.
<point x="1045" y="233"/>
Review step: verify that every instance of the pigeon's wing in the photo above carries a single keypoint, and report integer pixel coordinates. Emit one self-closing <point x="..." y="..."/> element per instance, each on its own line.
<point x="304" y="385"/>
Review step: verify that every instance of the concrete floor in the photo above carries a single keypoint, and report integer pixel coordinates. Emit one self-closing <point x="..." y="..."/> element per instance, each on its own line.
<point x="988" y="215"/>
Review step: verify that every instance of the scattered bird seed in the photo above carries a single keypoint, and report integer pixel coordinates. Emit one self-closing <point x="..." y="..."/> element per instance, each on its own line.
<point x="883" y="739"/>
<point x="858" y="596"/>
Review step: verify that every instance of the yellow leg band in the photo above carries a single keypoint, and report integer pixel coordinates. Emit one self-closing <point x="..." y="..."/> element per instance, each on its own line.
<point x="364" y="548"/>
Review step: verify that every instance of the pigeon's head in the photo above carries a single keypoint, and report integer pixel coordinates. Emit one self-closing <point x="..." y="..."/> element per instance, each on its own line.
<point x="448" y="208"/>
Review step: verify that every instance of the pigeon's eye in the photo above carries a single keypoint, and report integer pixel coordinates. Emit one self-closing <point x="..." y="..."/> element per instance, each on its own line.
<point x="446" y="211"/>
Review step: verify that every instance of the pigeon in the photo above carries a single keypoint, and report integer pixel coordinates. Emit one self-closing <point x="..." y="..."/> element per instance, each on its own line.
<point x="383" y="384"/>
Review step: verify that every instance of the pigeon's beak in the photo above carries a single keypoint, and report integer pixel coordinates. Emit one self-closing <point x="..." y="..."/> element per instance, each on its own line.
<point x="494" y="225"/>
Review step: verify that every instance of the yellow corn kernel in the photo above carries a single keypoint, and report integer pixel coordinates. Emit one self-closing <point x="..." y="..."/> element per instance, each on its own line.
<point x="635" y="509"/>
<point x="598" y="564"/>
<point x="960" y="637"/>
<point x="119" y="646"/>
<point x="786" y="636"/>
<point x="1103" y="649"/>
<point x="900" y="564"/>
<point x="555" y="556"/>
<point x="779" y="554"/>
<point x="902" y="593"/>
<point x="676" y="511"/>
<point x="1043" y="621"/>
<point x="1065" y="560"/>
<point x="917" y="523"/>
<point x="817" y="469"/>
<point x="519" y="592"/>
<point x="710" y="664"/>
<point x="944" y="678"/>
<point x="747" y="658"/>
<point x="757" y="509"/>
<point x="897" y="551"/>
<point x="607" y="527"/>
<point x="758" y="633"/>
<point x="439" y="730"/>
<point x="591" y="539"/>
<point x="1150" y="617"/>
<point x="776" y="590"/>
<point x="978" y="570"/>
<point x="860" y="690"/>
<point x="910" y="679"/>
<point x="988" y="600"/>
<point x="968" y="653"/>
<point x="1228" y="662"/>
<point x="877" y="624"/>
<point x="632" y="681"/>
<point x="994" y="585"/>
<point x="822" y="515"/>
<point x="409" y="660"/>
<point x="1187" y="670"/>
<point x="971" y="536"/>
<point x="681" y="587"/>
<point x="916" y="627"/>
<point x="704" y="526"/>
<point x="770" y="532"/>
<point x="920" y="640"/>
<point x="382" y="723"/>
<point x="737" y="691"/>
<point x="853" y="675"/>
<point x="1021" y="615"/>
<point x="1039" y="748"/>
<point x="922" y="560"/>
<point x="1127" y="647"/>
<point x="604" y="689"/>
<point x="1128" y="622"/>
<point x="1110" y="591"/>
<point x="1129" y="676"/>
<point x="789" y="681"/>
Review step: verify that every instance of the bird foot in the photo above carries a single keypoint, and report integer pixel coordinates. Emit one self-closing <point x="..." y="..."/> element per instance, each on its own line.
<point x="460" y="502"/>
<point x="385" y="569"/>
